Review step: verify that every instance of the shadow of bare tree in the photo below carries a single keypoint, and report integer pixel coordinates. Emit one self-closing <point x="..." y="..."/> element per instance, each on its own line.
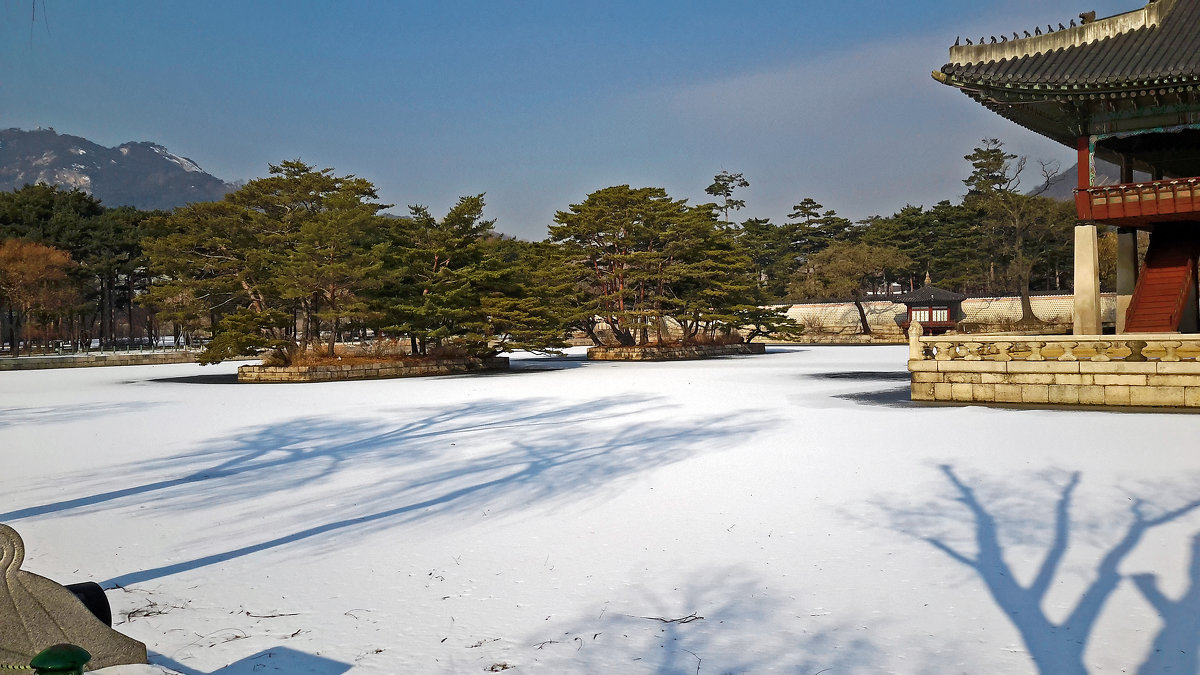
<point x="723" y="620"/>
<point x="275" y="660"/>
<point x="1175" y="648"/>
<point x="67" y="413"/>
<point x="1058" y="647"/>
<point x="282" y="457"/>
<point x="499" y="457"/>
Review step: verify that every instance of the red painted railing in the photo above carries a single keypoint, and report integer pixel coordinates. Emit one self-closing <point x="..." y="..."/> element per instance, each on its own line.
<point x="1141" y="203"/>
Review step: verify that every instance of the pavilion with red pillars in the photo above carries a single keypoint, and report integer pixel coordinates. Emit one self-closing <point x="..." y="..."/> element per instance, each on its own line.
<point x="1125" y="89"/>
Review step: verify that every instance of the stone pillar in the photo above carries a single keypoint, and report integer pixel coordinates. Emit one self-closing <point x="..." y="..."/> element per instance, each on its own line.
<point x="1087" y="280"/>
<point x="1127" y="272"/>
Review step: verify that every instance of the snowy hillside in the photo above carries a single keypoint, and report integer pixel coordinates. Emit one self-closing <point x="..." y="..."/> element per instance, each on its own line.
<point x="145" y="175"/>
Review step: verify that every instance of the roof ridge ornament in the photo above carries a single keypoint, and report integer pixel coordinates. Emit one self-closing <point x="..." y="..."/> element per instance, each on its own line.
<point x="1091" y="30"/>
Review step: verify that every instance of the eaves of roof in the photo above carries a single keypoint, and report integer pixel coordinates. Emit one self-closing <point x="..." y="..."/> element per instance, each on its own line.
<point x="1152" y="50"/>
<point x="928" y="294"/>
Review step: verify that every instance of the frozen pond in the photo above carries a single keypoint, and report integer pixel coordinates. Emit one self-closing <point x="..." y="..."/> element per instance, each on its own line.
<point x="789" y="513"/>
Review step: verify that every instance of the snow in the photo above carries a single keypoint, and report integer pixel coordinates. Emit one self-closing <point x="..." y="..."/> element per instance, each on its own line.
<point x="185" y="163"/>
<point x="791" y="513"/>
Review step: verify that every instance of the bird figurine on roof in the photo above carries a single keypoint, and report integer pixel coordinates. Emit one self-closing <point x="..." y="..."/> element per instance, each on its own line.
<point x="1037" y="30"/>
<point x="1073" y="24"/>
<point x="993" y="39"/>
<point x="957" y="40"/>
<point x="1027" y="34"/>
<point x="1061" y="27"/>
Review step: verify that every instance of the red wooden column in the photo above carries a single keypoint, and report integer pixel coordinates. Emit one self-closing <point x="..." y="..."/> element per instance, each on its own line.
<point x="1083" y="170"/>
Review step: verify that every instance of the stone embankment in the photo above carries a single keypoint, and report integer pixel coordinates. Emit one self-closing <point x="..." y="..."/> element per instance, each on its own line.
<point x="369" y="371"/>
<point x="95" y="360"/>
<point x="672" y="353"/>
<point x="1157" y="370"/>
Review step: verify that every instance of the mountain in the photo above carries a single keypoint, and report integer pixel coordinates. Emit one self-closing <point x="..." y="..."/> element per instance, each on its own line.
<point x="142" y="174"/>
<point x="1063" y="185"/>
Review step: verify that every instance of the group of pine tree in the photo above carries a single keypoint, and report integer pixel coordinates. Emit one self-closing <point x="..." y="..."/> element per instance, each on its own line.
<point x="292" y="263"/>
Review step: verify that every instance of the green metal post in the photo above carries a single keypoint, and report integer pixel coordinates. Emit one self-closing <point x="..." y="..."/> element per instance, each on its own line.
<point x="63" y="659"/>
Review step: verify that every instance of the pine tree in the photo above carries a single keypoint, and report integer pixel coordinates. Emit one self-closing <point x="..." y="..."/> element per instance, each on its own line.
<point x="723" y="186"/>
<point x="652" y="266"/>
<point x="299" y="244"/>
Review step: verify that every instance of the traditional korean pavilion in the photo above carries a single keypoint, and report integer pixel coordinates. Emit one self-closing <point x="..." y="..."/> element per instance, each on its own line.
<point x="936" y="309"/>
<point x="1125" y="89"/>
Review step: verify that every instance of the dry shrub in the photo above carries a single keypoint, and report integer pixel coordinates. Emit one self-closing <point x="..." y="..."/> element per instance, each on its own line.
<point x="388" y="347"/>
<point x="719" y="340"/>
<point x="447" y="351"/>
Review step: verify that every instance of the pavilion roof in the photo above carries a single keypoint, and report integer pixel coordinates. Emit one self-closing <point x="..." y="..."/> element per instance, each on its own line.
<point x="1156" y="47"/>
<point x="928" y="294"/>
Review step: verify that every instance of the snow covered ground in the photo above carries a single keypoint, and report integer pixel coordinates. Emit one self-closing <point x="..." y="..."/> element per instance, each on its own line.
<point x="790" y="513"/>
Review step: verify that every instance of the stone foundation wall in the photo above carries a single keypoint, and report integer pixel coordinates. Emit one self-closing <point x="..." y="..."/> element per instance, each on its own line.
<point x="1152" y="369"/>
<point x="675" y="353"/>
<point x="369" y="371"/>
<point x="1114" y="383"/>
<point x="95" y="360"/>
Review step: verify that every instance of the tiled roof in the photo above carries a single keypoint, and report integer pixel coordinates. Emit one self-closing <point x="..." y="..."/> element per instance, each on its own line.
<point x="928" y="294"/>
<point x="1157" y="47"/>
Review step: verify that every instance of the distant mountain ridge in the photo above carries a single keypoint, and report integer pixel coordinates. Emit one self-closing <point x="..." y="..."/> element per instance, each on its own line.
<point x="141" y="174"/>
<point x="1063" y="184"/>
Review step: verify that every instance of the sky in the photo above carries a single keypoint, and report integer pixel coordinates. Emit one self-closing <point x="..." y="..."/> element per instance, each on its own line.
<point x="535" y="103"/>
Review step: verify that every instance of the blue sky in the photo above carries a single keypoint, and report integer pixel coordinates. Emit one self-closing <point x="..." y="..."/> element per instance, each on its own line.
<point x="536" y="103"/>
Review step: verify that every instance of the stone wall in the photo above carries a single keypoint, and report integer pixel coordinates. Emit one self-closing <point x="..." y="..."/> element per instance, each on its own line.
<point x="980" y="314"/>
<point x="1115" y="383"/>
<point x="1129" y="370"/>
<point x="369" y="371"/>
<point x="673" y="353"/>
<point x="97" y="359"/>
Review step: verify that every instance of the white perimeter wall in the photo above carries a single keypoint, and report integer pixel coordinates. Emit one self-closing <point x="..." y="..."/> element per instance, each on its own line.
<point x="884" y="316"/>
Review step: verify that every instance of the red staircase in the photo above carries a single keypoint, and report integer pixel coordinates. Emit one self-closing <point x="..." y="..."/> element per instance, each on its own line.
<point x="1163" y="288"/>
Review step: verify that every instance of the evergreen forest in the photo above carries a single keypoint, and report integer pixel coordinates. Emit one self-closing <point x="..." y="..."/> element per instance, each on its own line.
<point x="292" y="264"/>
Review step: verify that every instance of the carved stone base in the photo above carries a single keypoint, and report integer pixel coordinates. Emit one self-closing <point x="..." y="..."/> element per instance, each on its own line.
<point x="36" y="613"/>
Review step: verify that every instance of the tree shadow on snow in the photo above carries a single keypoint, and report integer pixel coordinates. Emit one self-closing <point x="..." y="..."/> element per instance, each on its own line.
<point x="281" y="457"/>
<point x="1057" y="647"/>
<point x="501" y="456"/>
<point x="67" y="413"/>
<point x="725" y="620"/>
<point x="274" y="660"/>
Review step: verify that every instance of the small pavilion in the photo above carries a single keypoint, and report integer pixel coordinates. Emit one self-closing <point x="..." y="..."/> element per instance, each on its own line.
<point x="1126" y="89"/>
<point x="936" y="309"/>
